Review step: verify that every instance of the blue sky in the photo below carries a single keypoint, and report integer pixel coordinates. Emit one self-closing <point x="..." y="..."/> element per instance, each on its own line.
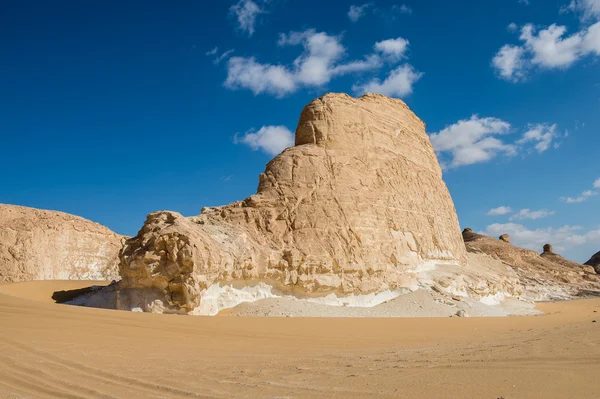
<point x="111" y="110"/>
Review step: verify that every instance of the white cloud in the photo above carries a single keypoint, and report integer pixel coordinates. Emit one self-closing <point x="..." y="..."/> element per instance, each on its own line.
<point x="356" y="12"/>
<point x="512" y="27"/>
<point x="213" y="51"/>
<point x="501" y="210"/>
<point x="584" y="196"/>
<point x="589" y="9"/>
<point x="321" y="51"/>
<point x="320" y="62"/>
<point x="246" y="12"/>
<point x="394" y="49"/>
<point x="548" y="48"/>
<point x="524" y="2"/>
<point x="510" y="63"/>
<point x="471" y="141"/>
<point x="542" y="135"/>
<point x="529" y="214"/>
<point x="270" y="139"/>
<point x="561" y="238"/>
<point x="399" y="83"/>
<point x="247" y="73"/>
<point x="404" y="9"/>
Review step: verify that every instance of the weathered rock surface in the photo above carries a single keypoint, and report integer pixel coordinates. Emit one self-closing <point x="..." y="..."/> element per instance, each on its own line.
<point x="594" y="262"/>
<point x="544" y="276"/>
<point x="356" y="206"/>
<point x="46" y="245"/>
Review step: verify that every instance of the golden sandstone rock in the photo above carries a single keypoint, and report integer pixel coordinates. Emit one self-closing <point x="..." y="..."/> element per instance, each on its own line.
<point x="47" y="245"/>
<point x="356" y="206"/>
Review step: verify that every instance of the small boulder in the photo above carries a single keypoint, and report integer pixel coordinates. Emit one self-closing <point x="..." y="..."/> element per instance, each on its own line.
<point x="505" y="238"/>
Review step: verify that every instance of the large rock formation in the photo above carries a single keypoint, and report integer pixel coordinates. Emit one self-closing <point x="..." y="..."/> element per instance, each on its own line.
<point x="542" y="277"/>
<point x="46" y="245"/>
<point x="357" y="205"/>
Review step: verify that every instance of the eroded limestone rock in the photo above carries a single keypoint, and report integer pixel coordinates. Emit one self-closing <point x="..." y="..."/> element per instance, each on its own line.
<point x="355" y="206"/>
<point x="48" y="245"/>
<point x="542" y="277"/>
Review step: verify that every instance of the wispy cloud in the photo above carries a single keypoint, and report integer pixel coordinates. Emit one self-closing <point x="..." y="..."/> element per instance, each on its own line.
<point x="220" y="57"/>
<point x="356" y="12"/>
<point x="246" y="13"/>
<point x="501" y="210"/>
<point x="584" y="196"/>
<point x="543" y="135"/>
<point x="529" y="214"/>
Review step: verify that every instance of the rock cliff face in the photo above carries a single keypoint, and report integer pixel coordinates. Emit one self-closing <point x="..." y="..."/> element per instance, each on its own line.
<point x="542" y="277"/>
<point x="594" y="262"/>
<point x="47" y="245"/>
<point x="356" y="206"/>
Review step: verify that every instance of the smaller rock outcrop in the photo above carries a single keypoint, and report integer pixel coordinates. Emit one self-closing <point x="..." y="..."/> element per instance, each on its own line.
<point x="37" y="244"/>
<point x="594" y="262"/>
<point x="545" y="276"/>
<point x="547" y="250"/>
<point x="505" y="238"/>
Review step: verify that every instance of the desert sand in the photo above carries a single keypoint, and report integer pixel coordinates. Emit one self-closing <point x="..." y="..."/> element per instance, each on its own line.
<point x="55" y="350"/>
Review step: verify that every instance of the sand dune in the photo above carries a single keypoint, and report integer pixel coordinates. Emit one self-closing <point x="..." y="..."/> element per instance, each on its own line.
<point x="50" y="350"/>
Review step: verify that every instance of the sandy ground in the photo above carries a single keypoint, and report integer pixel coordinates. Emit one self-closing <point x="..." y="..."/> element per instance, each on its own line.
<point x="53" y="350"/>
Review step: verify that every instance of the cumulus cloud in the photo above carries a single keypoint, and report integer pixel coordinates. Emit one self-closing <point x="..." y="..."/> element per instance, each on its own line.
<point x="561" y="238"/>
<point x="246" y="13"/>
<point x="510" y="63"/>
<point x="501" y="210"/>
<point x="549" y="48"/>
<point x="392" y="48"/>
<point x="512" y="27"/>
<point x="212" y="52"/>
<point x="529" y="214"/>
<point x="472" y="141"/>
<point x="270" y="139"/>
<point x="478" y="140"/>
<point x="320" y="62"/>
<point x="398" y="83"/>
<point x="356" y="12"/>
<point x="260" y="78"/>
<point x="542" y="135"/>
<point x="597" y="183"/>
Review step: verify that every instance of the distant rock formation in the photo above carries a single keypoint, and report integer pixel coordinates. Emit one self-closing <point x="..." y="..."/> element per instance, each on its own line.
<point x="47" y="245"/>
<point x="505" y="238"/>
<point x="543" y="276"/>
<point x="356" y="206"/>
<point x="594" y="262"/>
